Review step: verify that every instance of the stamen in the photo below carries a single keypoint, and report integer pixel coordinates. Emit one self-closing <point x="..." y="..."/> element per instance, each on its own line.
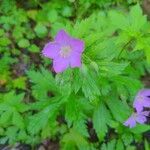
<point x="65" y="51"/>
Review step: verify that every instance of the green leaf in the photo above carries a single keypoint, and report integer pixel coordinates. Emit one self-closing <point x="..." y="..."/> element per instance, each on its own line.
<point x="18" y="120"/>
<point x="81" y="126"/>
<point x="63" y="80"/>
<point x="119" y="109"/>
<point x="101" y="118"/>
<point x="52" y="15"/>
<point x="51" y="129"/>
<point x="3" y="140"/>
<point x="11" y="134"/>
<point x="33" y="48"/>
<point x="23" y="43"/>
<point x="89" y="83"/>
<point x="70" y="115"/>
<point x="76" y="85"/>
<point x="2" y="32"/>
<point x="118" y="19"/>
<point x="32" y="14"/>
<point x="43" y="82"/>
<point x="147" y="53"/>
<point x="111" y="145"/>
<point x="134" y="16"/>
<point x="22" y="135"/>
<point x="140" y="128"/>
<point x="76" y="139"/>
<point x="12" y="99"/>
<point x="18" y="32"/>
<point x="5" y="117"/>
<point x="129" y="23"/>
<point x="119" y="145"/>
<point x="67" y="11"/>
<point x="4" y="41"/>
<point x="40" y="30"/>
<point x="40" y="120"/>
<point x="132" y="84"/>
<point x="81" y="28"/>
<point x="2" y="131"/>
<point x="127" y="138"/>
<point x="146" y="145"/>
<point x="20" y="83"/>
<point x="112" y="68"/>
<point x="75" y="117"/>
<point x="131" y="147"/>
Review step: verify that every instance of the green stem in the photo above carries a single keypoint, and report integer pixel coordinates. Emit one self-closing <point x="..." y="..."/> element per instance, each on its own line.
<point x="124" y="47"/>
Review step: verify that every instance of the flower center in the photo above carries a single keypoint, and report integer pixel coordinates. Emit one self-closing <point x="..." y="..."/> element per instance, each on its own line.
<point x="134" y="115"/>
<point x="65" y="51"/>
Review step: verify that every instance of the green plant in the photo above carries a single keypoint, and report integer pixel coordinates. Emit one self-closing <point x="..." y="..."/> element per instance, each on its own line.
<point x="71" y="107"/>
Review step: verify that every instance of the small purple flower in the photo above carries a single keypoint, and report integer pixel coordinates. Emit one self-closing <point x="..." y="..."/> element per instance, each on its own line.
<point x="139" y="117"/>
<point x="65" y="51"/>
<point x="142" y="100"/>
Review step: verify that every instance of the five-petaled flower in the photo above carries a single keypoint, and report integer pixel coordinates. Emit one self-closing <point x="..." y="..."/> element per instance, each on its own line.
<point x="139" y="117"/>
<point x="142" y="100"/>
<point x="65" y="51"/>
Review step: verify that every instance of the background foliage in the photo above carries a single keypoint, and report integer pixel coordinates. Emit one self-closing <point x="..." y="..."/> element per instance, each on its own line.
<point x="80" y="108"/>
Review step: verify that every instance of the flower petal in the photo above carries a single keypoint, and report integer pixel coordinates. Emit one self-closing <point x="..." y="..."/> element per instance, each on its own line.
<point x="77" y="45"/>
<point x="140" y="102"/>
<point x="75" y="60"/>
<point x="141" y="119"/>
<point x="146" y="102"/>
<point x="138" y="105"/>
<point x="130" y="122"/>
<point x="145" y="92"/>
<point x="145" y="113"/>
<point x="60" y="64"/>
<point x="62" y="37"/>
<point x="51" y="50"/>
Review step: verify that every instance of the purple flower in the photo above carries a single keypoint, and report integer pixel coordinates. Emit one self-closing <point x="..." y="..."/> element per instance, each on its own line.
<point x="142" y="100"/>
<point x="139" y="117"/>
<point x="65" y="51"/>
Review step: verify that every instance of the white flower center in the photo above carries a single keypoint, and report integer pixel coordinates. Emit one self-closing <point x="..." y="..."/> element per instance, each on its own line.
<point x="65" y="51"/>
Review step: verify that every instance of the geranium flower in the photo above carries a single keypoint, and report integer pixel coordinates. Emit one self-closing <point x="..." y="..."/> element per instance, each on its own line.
<point x="142" y="100"/>
<point x="65" y="51"/>
<point x="139" y="117"/>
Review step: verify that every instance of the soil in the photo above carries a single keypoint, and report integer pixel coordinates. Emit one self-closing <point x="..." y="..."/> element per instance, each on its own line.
<point x="146" y="80"/>
<point x="46" y="145"/>
<point x="146" y="7"/>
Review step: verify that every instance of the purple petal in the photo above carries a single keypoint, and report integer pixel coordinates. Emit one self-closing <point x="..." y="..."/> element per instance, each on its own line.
<point x="75" y="60"/>
<point x="138" y="105"/>
<point x="141" y="119"/>
<point x="61" y="55"/>
<point x="146" y="102"/>
<point x="51" y="50"/>
<point x="62" y="37"/>
<point x="60" y="64"/>
<point x="77" y="45"/>
<point x="130" y="122"/>
<point x="145" y="113"/>
<point x="145" y="92"/>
